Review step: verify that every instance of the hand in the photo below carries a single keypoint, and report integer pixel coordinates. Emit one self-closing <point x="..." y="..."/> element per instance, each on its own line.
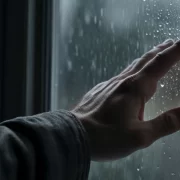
<point x="112" y="112"/>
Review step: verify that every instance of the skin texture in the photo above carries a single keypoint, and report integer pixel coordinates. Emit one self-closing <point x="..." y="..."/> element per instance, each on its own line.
<point x="112" y="112"/>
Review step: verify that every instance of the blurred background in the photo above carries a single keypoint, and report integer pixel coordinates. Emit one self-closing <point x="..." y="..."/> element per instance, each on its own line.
<point x="54" y="51"/>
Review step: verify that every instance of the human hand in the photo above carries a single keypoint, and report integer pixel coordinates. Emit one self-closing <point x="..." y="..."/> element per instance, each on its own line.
<point x="112" y="112"/>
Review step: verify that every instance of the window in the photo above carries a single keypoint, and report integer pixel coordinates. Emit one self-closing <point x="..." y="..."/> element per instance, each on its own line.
<point x="94" y="40"/>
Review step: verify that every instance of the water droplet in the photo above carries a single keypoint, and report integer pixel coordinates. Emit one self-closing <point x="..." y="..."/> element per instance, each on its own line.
<point x="87" y="18"/>
<point x="77" y="50"/>
<point x="162" y="85"/>
<point x="95" y="19"/>
<point x="102" y="11"/>
<point x="69" y="64"/>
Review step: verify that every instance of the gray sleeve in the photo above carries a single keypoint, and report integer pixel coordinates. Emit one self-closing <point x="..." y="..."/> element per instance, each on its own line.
<point x="48" y="146"/>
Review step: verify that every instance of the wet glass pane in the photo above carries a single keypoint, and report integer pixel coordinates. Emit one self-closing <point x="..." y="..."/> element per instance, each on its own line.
<point x="94" y="40"/>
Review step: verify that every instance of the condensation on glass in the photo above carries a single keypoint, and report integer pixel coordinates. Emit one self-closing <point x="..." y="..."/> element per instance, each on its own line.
<point x="94" y="40"/>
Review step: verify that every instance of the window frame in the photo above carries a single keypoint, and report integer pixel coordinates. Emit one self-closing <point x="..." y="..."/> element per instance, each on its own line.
<point x="25" y="52"/>
<point x="40" y="57"/>
<point x="2" y="33"/>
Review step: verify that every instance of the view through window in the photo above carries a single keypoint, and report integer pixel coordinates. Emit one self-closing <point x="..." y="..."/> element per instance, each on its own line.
<point x="94" y="40"/>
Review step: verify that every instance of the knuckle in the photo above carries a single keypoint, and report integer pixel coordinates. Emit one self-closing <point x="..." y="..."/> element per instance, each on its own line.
<point x="130" y="67"/>
<point x="153" y="53"/>
<point x="148" y="55"/>
<point x="131" y="84"/>
<point x="159" y="56"/>
<point x="136" y="61"/>
<point x="126" y="85"/>
<point x="139" y="63"/>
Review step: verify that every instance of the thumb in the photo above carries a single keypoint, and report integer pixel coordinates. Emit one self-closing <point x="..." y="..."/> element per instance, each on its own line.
<point x="165" y="124"/>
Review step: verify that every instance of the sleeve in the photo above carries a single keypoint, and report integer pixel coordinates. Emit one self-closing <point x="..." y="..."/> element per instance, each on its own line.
<point x="48" y="146"/>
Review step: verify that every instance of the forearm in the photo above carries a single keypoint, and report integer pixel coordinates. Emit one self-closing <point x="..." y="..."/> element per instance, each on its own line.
<point x="52" y="145"/>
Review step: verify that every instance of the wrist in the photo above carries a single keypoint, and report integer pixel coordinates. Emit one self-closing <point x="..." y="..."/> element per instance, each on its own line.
<point x="95" y="136"/>
<point x="86" y="129"/>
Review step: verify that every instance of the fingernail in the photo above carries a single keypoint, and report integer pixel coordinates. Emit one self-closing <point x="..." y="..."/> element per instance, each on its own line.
<point x="168" y="41"/>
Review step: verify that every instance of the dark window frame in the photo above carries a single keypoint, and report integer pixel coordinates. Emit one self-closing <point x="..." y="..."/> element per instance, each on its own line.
<point x="25" y="52"/>
<point x="2" y="41"/>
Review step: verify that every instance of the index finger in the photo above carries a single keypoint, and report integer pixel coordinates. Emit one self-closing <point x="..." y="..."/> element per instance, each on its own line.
<point x="162" y="63"/>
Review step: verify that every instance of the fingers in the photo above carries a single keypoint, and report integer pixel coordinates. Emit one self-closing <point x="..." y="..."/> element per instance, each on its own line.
<point x="139" y="63"/>
<point x="165" y="124"/>
<point x="159" y="48"/>
<point x="150" y="55"/>
<point x="150" y="70"/>
<point x="161" y="64"/>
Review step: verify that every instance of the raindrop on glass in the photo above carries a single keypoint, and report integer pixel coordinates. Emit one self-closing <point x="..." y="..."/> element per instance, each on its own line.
<point x="162" y="85"/>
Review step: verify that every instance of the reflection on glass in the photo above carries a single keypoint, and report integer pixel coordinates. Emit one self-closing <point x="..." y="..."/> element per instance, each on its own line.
<point x="93" y="41"/>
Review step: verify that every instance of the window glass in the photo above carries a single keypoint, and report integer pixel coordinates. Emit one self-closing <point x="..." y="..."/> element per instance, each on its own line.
<point x="94" y="40"/>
